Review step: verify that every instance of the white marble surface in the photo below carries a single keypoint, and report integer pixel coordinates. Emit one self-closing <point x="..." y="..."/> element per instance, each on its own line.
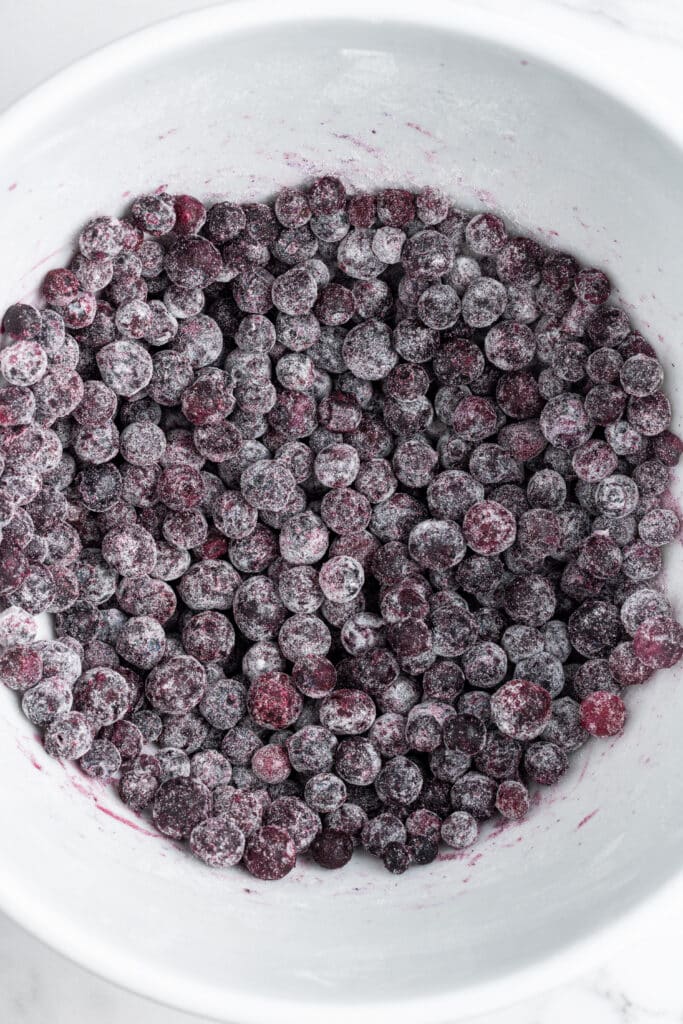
<point x="638" y="985"/>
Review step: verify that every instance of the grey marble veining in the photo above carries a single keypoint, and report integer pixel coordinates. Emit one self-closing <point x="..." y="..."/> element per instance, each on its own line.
<point x="656" y="19"/>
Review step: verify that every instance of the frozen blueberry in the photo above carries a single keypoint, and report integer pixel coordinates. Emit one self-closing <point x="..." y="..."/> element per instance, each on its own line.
<point x="603" y="714"/>
<point x="512" y="800"/>
<point x="348" y="562"/>
<point x="176" y="685"/>
<point x="488" y="528"/>
<point x="367" y="350"/>
<point x="332" y="848"/>
<point x="179" y="806"/>
<point x="294" y="816"/>
<point x="658" y="641"/>
<point x="218" y="841"/>
<point x="141" y="642"/>
<point x="521" y="709"/>
<point x="101" y="761"/>
<point x="47" y="700"/>
<point x="68" y="736"/>
<point x="103" y="696"/>
<point x="459" y="830"/>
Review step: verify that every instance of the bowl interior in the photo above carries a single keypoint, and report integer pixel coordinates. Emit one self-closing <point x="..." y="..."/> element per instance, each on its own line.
<point x="235" y="111"/>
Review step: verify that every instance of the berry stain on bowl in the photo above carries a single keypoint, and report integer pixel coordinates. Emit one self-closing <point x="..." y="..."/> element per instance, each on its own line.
<point x="349" y="510"/>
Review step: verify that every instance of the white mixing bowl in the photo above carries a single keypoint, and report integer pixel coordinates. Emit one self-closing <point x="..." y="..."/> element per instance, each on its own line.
<point x="236" y="101"/>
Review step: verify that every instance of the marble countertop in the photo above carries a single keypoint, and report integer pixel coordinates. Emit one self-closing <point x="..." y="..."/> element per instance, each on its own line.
<point x="639" y="984"/>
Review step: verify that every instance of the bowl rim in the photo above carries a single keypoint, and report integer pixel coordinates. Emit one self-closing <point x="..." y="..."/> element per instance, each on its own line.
<point x="537" y="31"/>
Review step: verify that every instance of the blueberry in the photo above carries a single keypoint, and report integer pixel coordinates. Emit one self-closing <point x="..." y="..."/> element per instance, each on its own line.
<point x="332" y="849"/>
<point x="398" y="450"/>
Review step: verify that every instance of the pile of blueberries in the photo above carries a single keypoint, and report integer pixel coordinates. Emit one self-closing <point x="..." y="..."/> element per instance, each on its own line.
<point x="348" y="509"/>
